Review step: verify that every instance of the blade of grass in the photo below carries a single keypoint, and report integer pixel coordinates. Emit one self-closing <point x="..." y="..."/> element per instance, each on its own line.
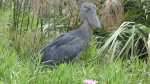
<point x="149" y="48"/>
<point x="114" y="36"/>
<point x="125" y="46"/>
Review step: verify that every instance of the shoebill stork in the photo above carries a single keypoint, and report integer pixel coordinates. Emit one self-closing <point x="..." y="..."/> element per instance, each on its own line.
<point x="72" y="45"/>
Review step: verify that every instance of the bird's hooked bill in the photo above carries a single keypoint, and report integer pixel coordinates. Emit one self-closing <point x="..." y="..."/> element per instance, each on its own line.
<point x="93" y="19"/>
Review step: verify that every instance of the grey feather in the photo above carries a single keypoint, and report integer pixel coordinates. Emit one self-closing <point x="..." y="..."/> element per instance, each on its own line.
<point x="72" y="45"/>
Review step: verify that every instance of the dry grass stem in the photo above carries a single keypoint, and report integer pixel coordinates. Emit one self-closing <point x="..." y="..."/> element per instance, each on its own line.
<point x="112" y="13"/>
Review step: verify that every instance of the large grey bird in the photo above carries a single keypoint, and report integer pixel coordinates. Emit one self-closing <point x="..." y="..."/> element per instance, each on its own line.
<point x="71" y="46"/>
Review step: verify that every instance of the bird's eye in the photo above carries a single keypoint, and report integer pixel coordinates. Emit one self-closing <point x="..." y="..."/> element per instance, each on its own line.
<point x="87" y="8"/>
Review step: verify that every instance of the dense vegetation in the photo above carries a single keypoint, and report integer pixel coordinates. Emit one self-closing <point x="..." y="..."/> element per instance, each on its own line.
<point x="119" y="53"/>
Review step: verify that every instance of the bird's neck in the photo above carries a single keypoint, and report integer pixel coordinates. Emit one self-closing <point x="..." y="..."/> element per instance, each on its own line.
<point x="87" y="28"/>
<point x="87" y="25"/>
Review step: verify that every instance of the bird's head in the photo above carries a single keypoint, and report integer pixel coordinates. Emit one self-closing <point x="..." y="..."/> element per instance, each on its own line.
<point x="88" y="12"/>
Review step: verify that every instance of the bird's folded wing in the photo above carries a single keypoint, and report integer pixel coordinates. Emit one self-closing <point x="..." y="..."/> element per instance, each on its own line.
<point x="65" y="48"/>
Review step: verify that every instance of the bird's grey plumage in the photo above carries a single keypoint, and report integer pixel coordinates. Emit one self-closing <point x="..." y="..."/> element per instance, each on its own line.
<point x="71" y="46"/>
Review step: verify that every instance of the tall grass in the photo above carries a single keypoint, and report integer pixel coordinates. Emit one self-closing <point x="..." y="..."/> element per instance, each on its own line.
<point x="22" y="71"/>
<point x="137" y="11"/>
<point x="112" y="13"/>
<point x="130" y="39"/>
